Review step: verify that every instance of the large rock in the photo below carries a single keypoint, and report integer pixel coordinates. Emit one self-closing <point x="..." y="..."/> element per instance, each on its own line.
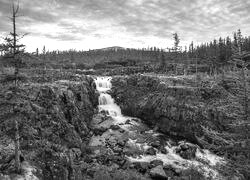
<point x="156" y="162"/>
<point x="141" y="166"/>
<point x="151" y="151"/>
<point x="186" y="150"/>
<point x="132" y="149"/>
<point x="158" y="173"/>
<point x="101" y="123"/>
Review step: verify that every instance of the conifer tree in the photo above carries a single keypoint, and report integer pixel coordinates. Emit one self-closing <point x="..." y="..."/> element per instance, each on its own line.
<point x="221" y="52"/>
<point x="13" y="53"/>
<point x="37" y="52"/>
<point x="191" y="49"/>
<point x="162" y="61"/>
<point x="176" y="43"/>
<point x="44" y="53"/>
<point x="241" y="59"/>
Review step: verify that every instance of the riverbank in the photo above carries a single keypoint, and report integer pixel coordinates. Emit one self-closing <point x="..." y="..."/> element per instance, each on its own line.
<point x="134" y="145"/>
<point x="205" y="112"/>
<point x="77" y="127"/>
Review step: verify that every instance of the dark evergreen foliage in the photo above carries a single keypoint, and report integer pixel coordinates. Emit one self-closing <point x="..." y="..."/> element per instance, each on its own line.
<point x="214" y="54"/>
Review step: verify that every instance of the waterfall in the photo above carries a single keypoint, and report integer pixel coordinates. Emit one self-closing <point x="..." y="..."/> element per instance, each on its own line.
<point x="103" y="84"/>
<point x="204" y="163"/>
<point x="106" y="102"/>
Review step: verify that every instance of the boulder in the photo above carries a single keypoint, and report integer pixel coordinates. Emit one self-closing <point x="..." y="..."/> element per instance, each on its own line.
<point x="127" y="121"/>
<point x="171" y="171"/>
<point x="121" y="130"/>
<point x="156" y="162"/>
<point x="158" y="173"/>
<point x="155" y="144"/>
<point x="131" y="149"/>
<point x="141" y="166"/>
<point x="163" y="150"/>
<point x="114" y="127"/>
<point x="151" y="151"/>
<point x="186" y="150"/>
<point x="99" y="130"/>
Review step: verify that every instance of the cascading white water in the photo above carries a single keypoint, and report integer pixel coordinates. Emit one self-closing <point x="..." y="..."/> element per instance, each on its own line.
<point x="103" y="84"/>
<point x="106" y="102"/>
<point x="105" y="99"/>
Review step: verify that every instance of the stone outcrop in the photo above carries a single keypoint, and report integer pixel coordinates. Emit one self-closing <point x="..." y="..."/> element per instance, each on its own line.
<point x="54" y="121"/>
<point x="173" y="105"/>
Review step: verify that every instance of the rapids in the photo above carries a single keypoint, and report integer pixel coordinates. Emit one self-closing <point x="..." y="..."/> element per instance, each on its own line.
<point x="138" y="139"/>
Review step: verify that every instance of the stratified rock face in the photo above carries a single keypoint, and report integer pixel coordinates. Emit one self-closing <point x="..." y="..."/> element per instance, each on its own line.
<point x="67" y="107"/>
<point x="54" y="120"/>
<point x="174" y="109"/>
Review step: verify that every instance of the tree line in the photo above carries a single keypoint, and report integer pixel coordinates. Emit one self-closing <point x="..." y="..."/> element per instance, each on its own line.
<point x="220" y="51"/>
<point x="216" y="53"/>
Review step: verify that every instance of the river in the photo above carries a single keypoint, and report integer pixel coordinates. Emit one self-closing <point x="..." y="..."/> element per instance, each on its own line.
<point x="143" y="144"/>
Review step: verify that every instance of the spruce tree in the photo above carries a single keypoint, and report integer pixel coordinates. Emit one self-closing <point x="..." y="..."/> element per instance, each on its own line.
<point x="176" y="48"/>
<point x="37" y="52"/>
<point x="13" y="53"/>
<point x="241" y="59"/>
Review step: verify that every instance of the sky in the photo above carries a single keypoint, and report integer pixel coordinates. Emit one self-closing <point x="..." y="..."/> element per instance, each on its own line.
<point x="94" y="24"/>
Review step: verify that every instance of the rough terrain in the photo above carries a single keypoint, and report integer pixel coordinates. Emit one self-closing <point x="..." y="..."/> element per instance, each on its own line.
<point x="63" y="136"/>
<point x="202" y="111"/>
<point x="53" y="124"/>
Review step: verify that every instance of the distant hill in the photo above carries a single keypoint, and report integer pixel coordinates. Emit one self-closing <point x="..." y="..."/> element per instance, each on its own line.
<point x="113" y="48"/>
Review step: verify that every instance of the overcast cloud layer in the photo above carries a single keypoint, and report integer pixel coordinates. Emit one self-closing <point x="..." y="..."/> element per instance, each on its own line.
<point x="89" y="24"/>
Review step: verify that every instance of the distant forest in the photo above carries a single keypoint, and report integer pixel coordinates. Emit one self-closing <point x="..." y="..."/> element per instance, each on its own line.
<point x="216" y="53"/>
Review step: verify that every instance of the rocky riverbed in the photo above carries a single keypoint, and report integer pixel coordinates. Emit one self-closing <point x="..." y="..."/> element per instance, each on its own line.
<point x="204" y="111"/>
<point x="124" y="127"/>
<point x="131" y="144"/>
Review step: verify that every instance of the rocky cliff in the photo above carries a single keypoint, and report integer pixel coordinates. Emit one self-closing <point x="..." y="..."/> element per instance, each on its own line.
<point x="175" y="105"/>
<point x="53" y="125"/>
<point x="205" y="111"/>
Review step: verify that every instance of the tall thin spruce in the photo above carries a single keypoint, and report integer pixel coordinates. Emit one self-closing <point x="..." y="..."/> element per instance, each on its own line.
<point x="16" y="61"/>
<point x="239" y="58"/>
<point x="12" y="51"/>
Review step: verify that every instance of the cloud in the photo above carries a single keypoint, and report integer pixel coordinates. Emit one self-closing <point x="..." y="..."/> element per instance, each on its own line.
<point x="136" y="22"/>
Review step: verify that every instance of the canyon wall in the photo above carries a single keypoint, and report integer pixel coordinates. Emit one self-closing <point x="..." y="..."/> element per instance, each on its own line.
<point x="175" y="105"/>
<point x="53" y="124"/>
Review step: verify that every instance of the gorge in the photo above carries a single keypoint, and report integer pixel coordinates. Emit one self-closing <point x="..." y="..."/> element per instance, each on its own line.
<point x="145" y="146"/>
<point x="139" y="126"/>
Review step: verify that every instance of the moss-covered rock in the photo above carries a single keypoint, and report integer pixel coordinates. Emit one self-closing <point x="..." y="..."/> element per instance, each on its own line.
<point x="53" y="123"/>
<point x="174" y="105"/>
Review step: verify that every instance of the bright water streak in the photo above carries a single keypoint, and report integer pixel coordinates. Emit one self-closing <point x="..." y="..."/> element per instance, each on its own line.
<point x="106" y="102"/>
<point x="103" y="84"/>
